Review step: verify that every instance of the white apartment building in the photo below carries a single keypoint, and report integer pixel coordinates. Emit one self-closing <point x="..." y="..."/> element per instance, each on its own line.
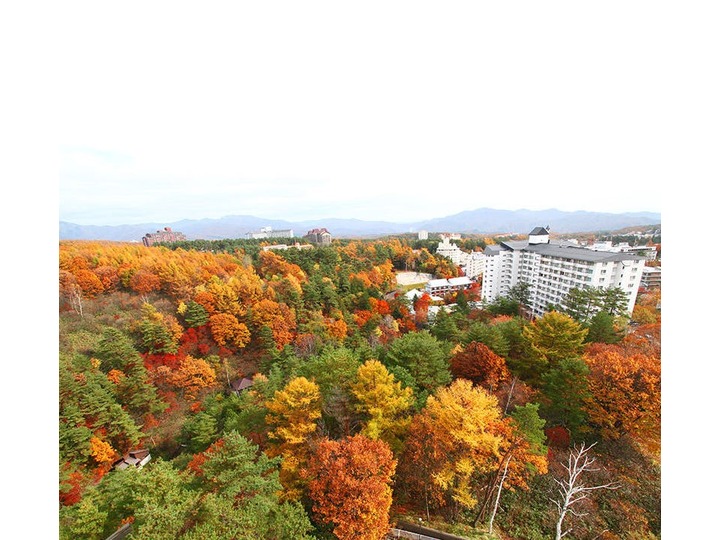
<point x="472" y="263"/>
<point x="552" y="269"/>
<point x="451" y="251"/>
<point x="268" y="232"/>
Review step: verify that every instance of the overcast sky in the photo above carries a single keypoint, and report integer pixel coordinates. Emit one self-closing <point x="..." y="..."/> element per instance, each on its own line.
<point x="395" y="111"/>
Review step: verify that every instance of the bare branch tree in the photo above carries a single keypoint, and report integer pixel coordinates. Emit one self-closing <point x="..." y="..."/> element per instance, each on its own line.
<point x="71" y="291"/>
<point x="572" y="489"/>
<point x="509" y="396"/>
<point x="497" y="499"/>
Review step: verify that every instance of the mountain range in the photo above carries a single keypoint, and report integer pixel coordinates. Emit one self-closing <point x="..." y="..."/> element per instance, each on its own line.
<point x="480" y="221"/>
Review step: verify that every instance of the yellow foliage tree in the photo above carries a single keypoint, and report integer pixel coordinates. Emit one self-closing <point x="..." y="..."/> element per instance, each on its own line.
<point x="556" y="336"/>
<point x="293" y="415"/>
<point x="452" y="440"/>
<point x="384" y="402"/>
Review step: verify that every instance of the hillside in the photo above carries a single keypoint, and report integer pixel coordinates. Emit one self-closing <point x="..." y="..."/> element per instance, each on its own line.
<point x="295" y="395"/>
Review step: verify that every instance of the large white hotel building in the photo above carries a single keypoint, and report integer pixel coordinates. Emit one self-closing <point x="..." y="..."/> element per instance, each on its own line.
<point x="552" y="269"/>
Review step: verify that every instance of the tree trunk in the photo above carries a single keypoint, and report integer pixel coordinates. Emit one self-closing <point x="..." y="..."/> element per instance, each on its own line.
<point x="510" y="393"/>
<point x="497" y="499"/>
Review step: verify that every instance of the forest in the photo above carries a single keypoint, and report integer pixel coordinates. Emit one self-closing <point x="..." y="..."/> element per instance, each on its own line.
<point x="298" y="394"/>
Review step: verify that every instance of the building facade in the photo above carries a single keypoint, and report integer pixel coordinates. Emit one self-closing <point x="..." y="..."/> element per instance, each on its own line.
<point x="440" y="287"/>
<point x="319" y="237"/>
<point x="650" y="277"/>
<point x="472" y="264"/>
<point x="268" y="232"/>
<point x="451" y="251"/>
<point x="166" y="235"/>
<point x="551" y="269"/>
<point x="280" y="247"/>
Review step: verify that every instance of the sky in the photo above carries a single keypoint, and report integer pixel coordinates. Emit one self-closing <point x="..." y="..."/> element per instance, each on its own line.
<point x="392" y="111"/>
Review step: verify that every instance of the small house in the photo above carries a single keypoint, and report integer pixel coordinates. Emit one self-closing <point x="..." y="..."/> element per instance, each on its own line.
<point x="241" y="384"/>
<point x="135" y="458"/>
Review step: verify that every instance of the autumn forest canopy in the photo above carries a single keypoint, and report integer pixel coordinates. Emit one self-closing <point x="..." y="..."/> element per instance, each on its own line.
<point x="301" y="394"/>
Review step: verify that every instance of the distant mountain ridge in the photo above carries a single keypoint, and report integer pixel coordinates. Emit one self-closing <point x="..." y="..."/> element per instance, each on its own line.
<point x="480" y="221"/>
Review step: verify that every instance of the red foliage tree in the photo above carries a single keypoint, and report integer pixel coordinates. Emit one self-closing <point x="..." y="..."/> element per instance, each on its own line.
<point x="480" y="365"/>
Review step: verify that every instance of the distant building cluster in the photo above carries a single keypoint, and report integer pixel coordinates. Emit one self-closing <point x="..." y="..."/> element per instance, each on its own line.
<point x="268" y="232"/>
<point x="166" y="235"/>
<point x="649" y="252"/>
<point x="319" y="237"/>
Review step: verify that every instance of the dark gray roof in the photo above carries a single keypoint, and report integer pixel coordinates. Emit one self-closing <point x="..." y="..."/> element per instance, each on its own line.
<point x="569" y="251"/>
<point x="242" y="384"/>
<point x="492" y="249"/>
<point x="539" y="231"/>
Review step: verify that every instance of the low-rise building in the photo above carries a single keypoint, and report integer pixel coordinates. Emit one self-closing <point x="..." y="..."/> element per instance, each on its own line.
<point x="439" y="287"/>
<point x="239" y="385"/>
<point x="650" y="278"/>
<point x="280" y="247"/>
<point x="134" y="458"/>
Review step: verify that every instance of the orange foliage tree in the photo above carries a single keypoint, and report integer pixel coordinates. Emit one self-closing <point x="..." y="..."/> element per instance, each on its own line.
<point x="144" y="282"/>
<point x="422" y="305"/>
<point x="272" y="264"/>
<point x="193" y="376"/>
<point x="101" y="451"/>
<point x="625" y="393"/>
<point x="89" y="283"/>
<point x="350" y="487"/>
<point x="337" y="329"/>
<point x="225" y="328"/>
<point x="278" y="317"/>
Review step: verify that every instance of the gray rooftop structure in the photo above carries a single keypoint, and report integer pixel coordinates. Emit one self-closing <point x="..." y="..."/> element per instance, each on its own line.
<point x="565" y="251"/>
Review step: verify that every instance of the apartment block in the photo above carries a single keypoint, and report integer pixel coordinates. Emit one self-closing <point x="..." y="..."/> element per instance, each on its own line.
<point x="553" y="268"/>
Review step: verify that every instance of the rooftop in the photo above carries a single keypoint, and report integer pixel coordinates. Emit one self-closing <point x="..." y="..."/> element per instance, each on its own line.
<point x="567" y="251"/>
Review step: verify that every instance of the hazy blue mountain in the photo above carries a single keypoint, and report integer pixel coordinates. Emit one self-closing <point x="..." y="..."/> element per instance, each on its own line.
<point x="488" y="220"/>
<point x="482" y="221"/>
